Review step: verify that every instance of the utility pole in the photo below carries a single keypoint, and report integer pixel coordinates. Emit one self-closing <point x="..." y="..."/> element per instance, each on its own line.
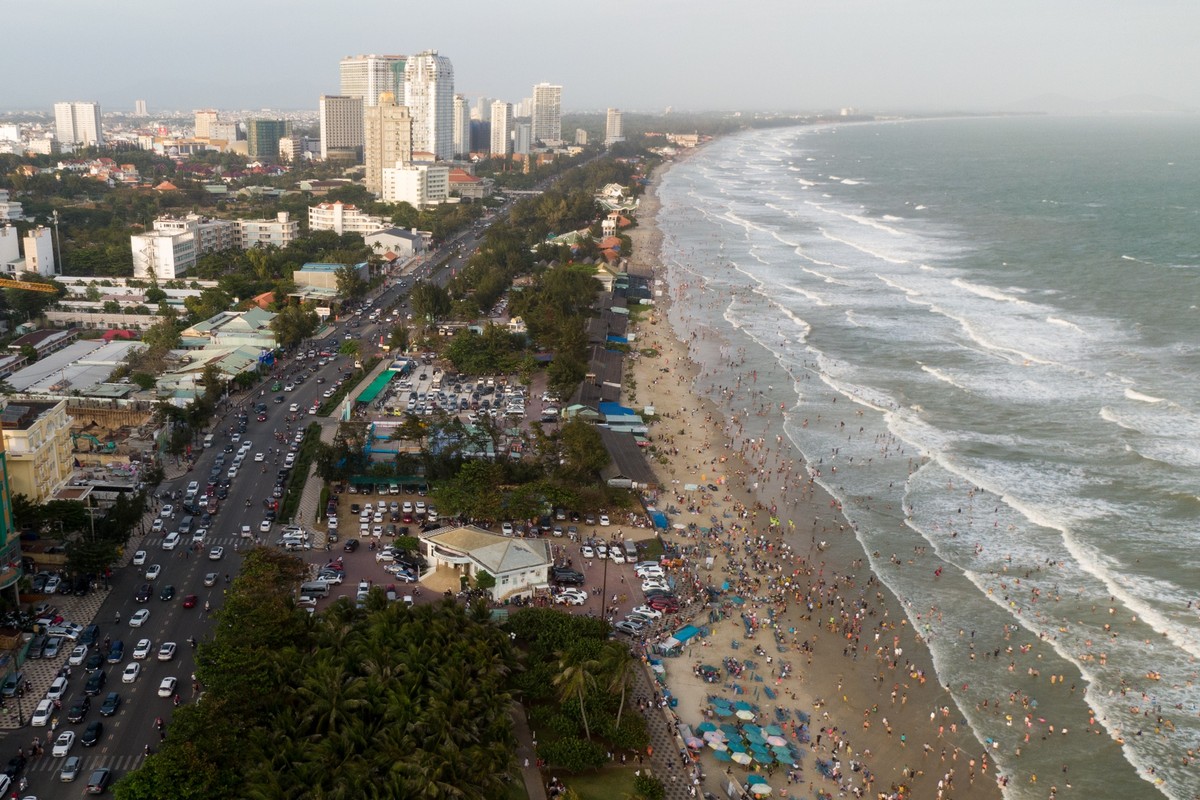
<point x="57" y="244"/>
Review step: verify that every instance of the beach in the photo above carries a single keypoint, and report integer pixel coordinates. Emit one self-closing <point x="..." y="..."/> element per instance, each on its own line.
<point x="799" y="590"/>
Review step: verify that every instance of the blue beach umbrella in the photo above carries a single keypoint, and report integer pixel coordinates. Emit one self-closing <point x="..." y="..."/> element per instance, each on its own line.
<point x="705" y="727"/>
<point x="722" y="755"/>
<point x="773" y="730"/>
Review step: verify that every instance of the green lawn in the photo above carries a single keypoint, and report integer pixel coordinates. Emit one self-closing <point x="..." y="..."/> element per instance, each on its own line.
<point x="610" y="783"/>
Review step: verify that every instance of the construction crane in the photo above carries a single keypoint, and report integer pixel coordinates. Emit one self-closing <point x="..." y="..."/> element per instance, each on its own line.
<point x="30" y="286"/>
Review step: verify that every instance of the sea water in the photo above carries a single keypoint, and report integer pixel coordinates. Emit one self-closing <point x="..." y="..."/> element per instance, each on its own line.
<point x="984" y="335"/>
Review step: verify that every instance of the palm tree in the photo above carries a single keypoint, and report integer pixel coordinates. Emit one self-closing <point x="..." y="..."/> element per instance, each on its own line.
<point x="618" y="667"/>
<point x="576" y="677"/>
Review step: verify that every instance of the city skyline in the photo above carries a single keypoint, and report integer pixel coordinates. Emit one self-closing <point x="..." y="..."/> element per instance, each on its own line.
<point x="918" y="56"/>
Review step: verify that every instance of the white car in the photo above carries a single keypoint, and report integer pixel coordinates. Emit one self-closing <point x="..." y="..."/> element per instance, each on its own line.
<point x="265" y="526"/>
<point x="290" y="387"/>
<point x="420" y="507"/>
<point x="172" y="541"/>
<point x="58" y="688"/>
<point x="62" y="745"/>
<point x="167" y="651"/>
<point x="586" y="551"/>
<point x="153" y="571"/>
<point x="604" y="520"/>
<point x="139" y="617"/>
<point x="167" y="511"/>
<point x="198" y="536"/>
<point x="385" y="557"/>
<point x="575" y="597"/>
<point x="216" y="554"/>
<point x="139" y="558"/>
<point x="141" y="650"/>
<point x="294" y="407"/>
<point x="167" y="687"/>
<point x="647" y="611"/>
<point x="650" y="572"/>
<point x="43" y="712"/>
<point x="79" y="654"/>
<point x="246" y="532"/>
<point x="507" y="529"/>
<point x="259" y="457"/>
<point x="157" y="525"/>
<point x="617" y="555"/>
<point x="132" y="670"/>
<point x="407" y="507"/>
<point x="652" y="585"/>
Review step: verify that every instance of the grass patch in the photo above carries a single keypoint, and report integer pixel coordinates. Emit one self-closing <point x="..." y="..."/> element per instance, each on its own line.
<point x="601" y="784"/>
<point x="652" y="549"/>
<point x="326" y="408"/>
<point x="299" y="475"/>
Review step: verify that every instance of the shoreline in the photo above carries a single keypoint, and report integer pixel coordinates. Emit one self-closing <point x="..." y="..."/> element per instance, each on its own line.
<point x="879" y="707"/>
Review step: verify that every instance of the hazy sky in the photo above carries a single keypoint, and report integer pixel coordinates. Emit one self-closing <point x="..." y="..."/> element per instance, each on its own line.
<point x="634" y="54"/>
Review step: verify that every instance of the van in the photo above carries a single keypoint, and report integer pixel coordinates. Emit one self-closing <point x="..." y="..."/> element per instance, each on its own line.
<point x="315" y="589"/>
<point x="631" y="551"/>
<point x="208" y="441"/>
<point x="185" y="525"/>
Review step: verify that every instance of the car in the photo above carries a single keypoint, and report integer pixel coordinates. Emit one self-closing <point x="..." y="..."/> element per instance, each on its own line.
<point x="166" y="651"/>
<point x="142" y="649"/>
<point x="143" y="593"/>
<point x="653" y="571"/>
<point x="139" y="558"/>
<point x="95" y="682"/>
<point x="586" y="551"/>
<point x="153" y="571"/>
<point x="575" y="597"/>
<point x="112" y="701"/>
<point x="166" y="687"/>
<point x="294" y="407"/>
<point x="167" y="511"/>
<point x="653" y="584"/>
<point x="259" y="457"/>
<point x="265" y="526"/>
<point x="604" y="520"/>
<point x="589" y="519"/>
<point x="628" y="626"/>
<point x="79" y="709"/>
<point x="94" y="662"/>
<point x="92" y="734"/>
<point x="507" y="529"/>
<point x="63" y="744"/>
<point x="70" y="769"/>
<point x="210" y="579"/>
<point x="99" y="780"/>
<point x="116" y="652"/>
<point x="53" y="647"/>
<point x="172" y="541"/>
<point x="289" y="387"/>
<point x="78" y="654"/>
<point x="11" y="684"/>
<point x="139" y="617"/>
<point x="350" y="545"/>
<point x="664" y="603"/>
<point x="567" y="576"/>
<point x="43" y="712"/>
<point x="617" y="555"/>
<point x="167" y="593"/>
<point x="58" y="688"/>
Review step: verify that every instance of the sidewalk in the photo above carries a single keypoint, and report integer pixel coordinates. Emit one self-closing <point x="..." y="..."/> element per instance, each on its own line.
<point x="535" y="785"/>
<point x="307" y="511"/>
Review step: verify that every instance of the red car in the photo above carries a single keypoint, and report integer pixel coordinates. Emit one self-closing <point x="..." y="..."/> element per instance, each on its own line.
<point x="190" y="601"/>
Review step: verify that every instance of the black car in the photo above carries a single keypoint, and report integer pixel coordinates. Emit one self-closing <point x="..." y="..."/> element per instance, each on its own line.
<point x="222" y="493"/>
<point x="143" y="593"/>
<point x="79" y="710"/>
<point x="568" y="577"/>
<point x="37" y="646"/>
<point x="229" y="447"/>
<point x="92" y="734"/>
<point x="94" y="661"/>
<point x="16" y="765"/>
<point x="351" y="545"/>
<point x="95" y="682"/>
<point x="112" y="701"/>
<point x="99" y="780"/>
<point x="82" y="587"/>
<point x="167" y="593"/>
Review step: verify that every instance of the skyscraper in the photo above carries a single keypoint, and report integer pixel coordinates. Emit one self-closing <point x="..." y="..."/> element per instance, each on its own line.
<point x="341" y="127"/>
<point x="462" y="127"/>
<point x="78" y="123"/>
<point x="367" y="77"/>
<point x="139" y="108"/>
<point x="206" y="121"/>
<point x="614" y="129"/>
<point x="502" y="125"/>
<point x="387" y="139"/>
<point x="522" y="138"/>
<point x="547" y="113"/>
<point x="262" y="138"/>
<point x="429" y="95"/>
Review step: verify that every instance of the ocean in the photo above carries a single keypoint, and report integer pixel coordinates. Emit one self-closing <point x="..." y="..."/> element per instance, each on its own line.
<point x="984" y="333"/>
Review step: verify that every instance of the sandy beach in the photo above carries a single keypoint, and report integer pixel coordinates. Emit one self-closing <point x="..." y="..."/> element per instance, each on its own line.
<point x="804" y="624"/>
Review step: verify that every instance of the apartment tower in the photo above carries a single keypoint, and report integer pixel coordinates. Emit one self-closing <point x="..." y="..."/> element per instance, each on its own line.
<point x="502" y="127"/>
<point x="547" y="113"/>
<point x="387" y="139"/>
<point x="429" y="95"/>
<point x="367" y="77"/>
<point x="341" y="128"/>
<point x="614" y="129"/>
<point x="78" y="123"/>
<point x="462" y="127"/>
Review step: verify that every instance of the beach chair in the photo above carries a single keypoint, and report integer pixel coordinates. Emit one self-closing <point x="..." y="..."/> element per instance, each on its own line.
<point x="770" y="693"/>
<point x="736" y="644"/>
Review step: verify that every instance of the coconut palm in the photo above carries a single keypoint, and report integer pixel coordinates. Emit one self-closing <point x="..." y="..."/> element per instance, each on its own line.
<point x="618" y="668"/>
<point x="576" y="678"/>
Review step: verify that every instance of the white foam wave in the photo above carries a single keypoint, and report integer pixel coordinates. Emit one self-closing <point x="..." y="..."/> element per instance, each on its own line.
<point x="1011" y="354"/>
<point x="919" y="208"/>
<point x="861" y="248"/>
<point x="989" y="292"/>
<point x="891" y="218"/>
<point x="823" y="276"/>
<point x="850" y="182"/>
<point x="858" y="219"/>
<point x="1062" y="323"/>
<point x="807" y="295"/>
<point x="1143" y="398"/>
<point x="943" y="377"/>
<point x="1108" y="415"/>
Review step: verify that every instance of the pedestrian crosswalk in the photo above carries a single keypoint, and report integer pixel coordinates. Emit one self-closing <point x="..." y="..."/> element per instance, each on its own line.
<point x="117" y="763"/>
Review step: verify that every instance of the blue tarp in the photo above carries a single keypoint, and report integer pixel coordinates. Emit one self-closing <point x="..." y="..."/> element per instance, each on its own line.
<point x="685" y="634"/>
<point x="616" y="339"/>
<point x="615" y="410"/>
<point x="660" y="519"/>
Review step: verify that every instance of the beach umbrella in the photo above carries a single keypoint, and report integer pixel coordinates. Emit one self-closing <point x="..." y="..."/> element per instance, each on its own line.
<point x="722" y="710"/>
<point x="763" y="758"/>
<point x="722" y="755"/>
<point x="741" y="758"/>
<point x="753" y="779"/>
<point x="737" y="745"/>
<point x="694" y="743"/>
<point x="714" y="736"/>
<point x="717" y="745"/>
<point x="706" y="726"/>
<point x="737" y="601"/>
<point x="761" y="789"/>
<point x="745" y="714"/>
<point x="754" y="736"/>
<point x="773" y="730"/>
<point x="777" y="741"/>
<point x="742" y="705"/>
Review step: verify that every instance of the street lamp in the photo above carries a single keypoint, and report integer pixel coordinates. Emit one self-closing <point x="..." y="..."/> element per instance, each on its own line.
<point x="20" y="709"/>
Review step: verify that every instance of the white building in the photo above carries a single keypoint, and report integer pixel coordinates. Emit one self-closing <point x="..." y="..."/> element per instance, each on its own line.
<point x="341" y="127"/>
<point x="212" y="235"/>
<point x="519" y="566"/>
<point x="396" y="241"/>
<point x="502" y="124"/>
<point x="10" y="133"/>
<point x="523" y="138"/>
<point x="39" y="252"/>
<point x="206" y="120"/>
<point x="343" y="218"/>
<point x="367" y="77"/>
<point x="163" y="255"/>
<point x="462" y="127"/>
<point x="10" y="210"/>
<point x="417" y="184"/>
<point x="10" y="250"/>
<point x="278" y="232"/>
<point x="78" y="123"/>
<point x="547" y="113"/>
<point x="614" y="128"/>
<point x="429" y="95"/>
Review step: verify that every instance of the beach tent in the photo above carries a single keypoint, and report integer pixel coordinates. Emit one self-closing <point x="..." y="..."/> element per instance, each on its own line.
<point x="659" y="519"/>
<point x="673" y="645"/>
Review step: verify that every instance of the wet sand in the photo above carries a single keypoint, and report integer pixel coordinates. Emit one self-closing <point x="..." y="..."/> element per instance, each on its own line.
<point x="857" y="669"/>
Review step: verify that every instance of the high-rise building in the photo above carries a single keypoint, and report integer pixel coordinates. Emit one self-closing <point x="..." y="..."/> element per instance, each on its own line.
<point x="429" y="95"/>
<point x="581" y="137"/>
<point x="502" y="125"/>
<point x="78" y="123"/>
<point x="462" y="127"/>
<point x="387" y="139"/>
<point x="206" y="120"/>
<point x="416" y="184"/>
<point x="163" y="255"/>
<point x="547" y="113"/>
<point x="481" y="134"/>
<point x="367" y="77"/>
<point x="262" y="138"/>
<point x="139" y="108"/>
<point x="614" y="129"/>
<point x="341" y="127"/>
<point x="482" y="110"/>
<point x="522" y="138"/>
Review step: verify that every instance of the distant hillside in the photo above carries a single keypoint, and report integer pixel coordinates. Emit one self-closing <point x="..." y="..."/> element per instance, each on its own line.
<point x="1125" y="104"/>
